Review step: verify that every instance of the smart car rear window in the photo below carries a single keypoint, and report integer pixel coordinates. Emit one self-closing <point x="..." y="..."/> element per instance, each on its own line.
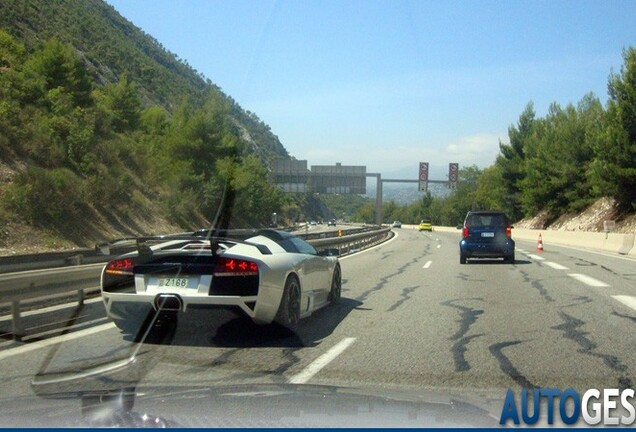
<point x="486" y="219"/>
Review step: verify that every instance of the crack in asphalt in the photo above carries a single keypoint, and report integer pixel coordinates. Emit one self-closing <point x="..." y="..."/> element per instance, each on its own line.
<point x="629" y="317"/>
<point x="610" y="270"/>
<point x="571" y="330"/>
<point x="468" y="316"/>
<point x="405" y="296"/>
<point x="507" y="366"/>
<point x="385" y="255"/>
<point x="578" y="301"/>
<point x="466" y="277"/>
<point x="384" y="280"/>
<point x="583" y="262"/>
<point x="223" y="358"/>
<point x="292" y="359"/>
<point x="289" y="360"/>
<point x="459" y="351"/>
<point x="536" y="284"/>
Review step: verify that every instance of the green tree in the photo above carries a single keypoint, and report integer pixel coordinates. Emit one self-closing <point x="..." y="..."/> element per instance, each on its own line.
<point x="491" y="192"/>
<point x="123" y="104"/>
<point x="613" y="171"/>
<point x="511" y="160"/>
<point x="11" y="52"/>
<point x="57" y="66"/>
<point x="251" y="198"/>
<point x="45" y="197"/>
<point x="557" y="159"/>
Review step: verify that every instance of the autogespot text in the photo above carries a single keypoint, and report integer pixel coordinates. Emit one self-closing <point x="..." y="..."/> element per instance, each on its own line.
<point x="608" y="407"/>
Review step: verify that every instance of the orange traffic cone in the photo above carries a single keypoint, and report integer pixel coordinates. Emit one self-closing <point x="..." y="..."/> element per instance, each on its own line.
<point x="540" y="244"/>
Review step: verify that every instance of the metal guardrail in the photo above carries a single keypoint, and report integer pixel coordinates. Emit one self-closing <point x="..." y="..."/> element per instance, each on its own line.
<point x="30" y="285"/>
<point x="104" y="252"/>
<point x="83" y="278"/>
<point x="353" y="242"/>
<point x="334" y="233"/>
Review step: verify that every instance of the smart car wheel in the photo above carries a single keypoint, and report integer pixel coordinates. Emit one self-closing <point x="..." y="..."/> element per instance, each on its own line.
<point x="336" y="286"/>
<point x="462" y="258"/>
<point x="289" y="309"/>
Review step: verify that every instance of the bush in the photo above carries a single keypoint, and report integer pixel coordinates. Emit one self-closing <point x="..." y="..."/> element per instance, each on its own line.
<point x="42" y="197"/>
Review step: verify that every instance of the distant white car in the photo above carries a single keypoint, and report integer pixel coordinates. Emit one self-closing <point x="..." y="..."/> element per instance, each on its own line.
<point x="396" y="224"/>
<point x="269" y="275"/>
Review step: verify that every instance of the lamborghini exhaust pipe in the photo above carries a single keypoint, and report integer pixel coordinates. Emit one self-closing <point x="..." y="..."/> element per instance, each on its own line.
<point x="168" y="302"/>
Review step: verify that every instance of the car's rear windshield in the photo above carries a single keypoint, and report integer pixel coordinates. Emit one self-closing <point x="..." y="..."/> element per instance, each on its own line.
<point x="426" y="221"/>
<point x="486" y="219"/>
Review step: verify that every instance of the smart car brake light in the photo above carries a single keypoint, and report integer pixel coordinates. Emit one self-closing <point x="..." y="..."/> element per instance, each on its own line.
<point x="465" y="232"/>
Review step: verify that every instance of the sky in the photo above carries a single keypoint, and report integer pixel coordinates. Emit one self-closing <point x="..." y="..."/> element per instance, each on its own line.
<point x="391" y="83"/>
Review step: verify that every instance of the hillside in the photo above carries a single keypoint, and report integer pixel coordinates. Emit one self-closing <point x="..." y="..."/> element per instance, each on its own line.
<point x="112" y="47"/>
<point x="590" y="219"/>
<point x="105" y="134"/>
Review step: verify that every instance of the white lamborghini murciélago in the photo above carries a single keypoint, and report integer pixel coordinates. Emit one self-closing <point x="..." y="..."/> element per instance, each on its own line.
<point x="269" y="275"/>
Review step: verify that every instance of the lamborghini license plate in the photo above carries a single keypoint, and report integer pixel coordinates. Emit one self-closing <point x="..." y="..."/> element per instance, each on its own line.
<point x="174" y="282"/>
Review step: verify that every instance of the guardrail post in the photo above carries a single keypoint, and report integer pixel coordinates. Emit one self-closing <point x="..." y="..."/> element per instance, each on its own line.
<point x="16" y="320"/>
<point x="80" y="297"/>
<point x="74" y="260"/>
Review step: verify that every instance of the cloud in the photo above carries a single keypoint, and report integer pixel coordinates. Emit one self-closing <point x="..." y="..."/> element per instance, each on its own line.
<point x="478" y="149"/>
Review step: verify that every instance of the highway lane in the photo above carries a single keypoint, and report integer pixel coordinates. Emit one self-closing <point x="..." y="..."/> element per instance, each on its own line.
<point x="411" y="318"/>
<point x="487" y="324"/>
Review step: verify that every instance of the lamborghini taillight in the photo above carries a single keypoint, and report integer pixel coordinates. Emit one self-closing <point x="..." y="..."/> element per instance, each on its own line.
<point x="235" y="267"/>
<point x="120" y="267"/>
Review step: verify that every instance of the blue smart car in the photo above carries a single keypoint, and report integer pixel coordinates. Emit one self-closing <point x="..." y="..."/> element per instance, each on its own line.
<point x="486" y="234"/>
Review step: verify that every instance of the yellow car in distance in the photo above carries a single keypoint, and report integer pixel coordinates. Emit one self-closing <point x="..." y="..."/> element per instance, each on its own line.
<point x="426" y="225"/>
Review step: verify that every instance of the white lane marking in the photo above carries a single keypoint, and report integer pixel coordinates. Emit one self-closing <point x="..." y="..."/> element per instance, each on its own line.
<point x="626" y="258"/>
<point x="54" y="340"/>
<point x="439" y="246"/>
<point x="629" y="301"/>
<point x="521" y="250"/>
<point x="427" y="265"/>
<point x="47" y="333"/>
<point x="57" y="269"/>
<point x="322" y="361"/>
<point x="555" y="266"/>
<point x="588" y="280"/>
<point x="536" y="257"/>
<point x="71" y="305"/>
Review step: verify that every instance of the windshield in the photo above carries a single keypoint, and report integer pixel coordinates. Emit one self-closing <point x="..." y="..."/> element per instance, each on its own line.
<point x="486" y="219"/>
<point x="319" y="213"/>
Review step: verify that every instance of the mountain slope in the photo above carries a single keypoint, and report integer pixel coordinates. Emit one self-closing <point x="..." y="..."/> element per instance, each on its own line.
<point x="112" y="47"/>
<point x="103" y="133"/>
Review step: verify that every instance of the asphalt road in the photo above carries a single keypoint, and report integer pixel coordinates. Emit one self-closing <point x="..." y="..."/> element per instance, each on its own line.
<point x="411" y="318"/>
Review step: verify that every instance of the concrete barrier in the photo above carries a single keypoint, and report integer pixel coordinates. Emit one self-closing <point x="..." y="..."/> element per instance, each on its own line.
<point x="608" y="242"/>
<point x="632" y="251"/>
<point x="622" y="244"/>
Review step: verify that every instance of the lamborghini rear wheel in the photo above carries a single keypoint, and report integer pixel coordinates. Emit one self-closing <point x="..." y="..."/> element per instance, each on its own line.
<point x="289" y="309"/>
<point x="336" y="286"/>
